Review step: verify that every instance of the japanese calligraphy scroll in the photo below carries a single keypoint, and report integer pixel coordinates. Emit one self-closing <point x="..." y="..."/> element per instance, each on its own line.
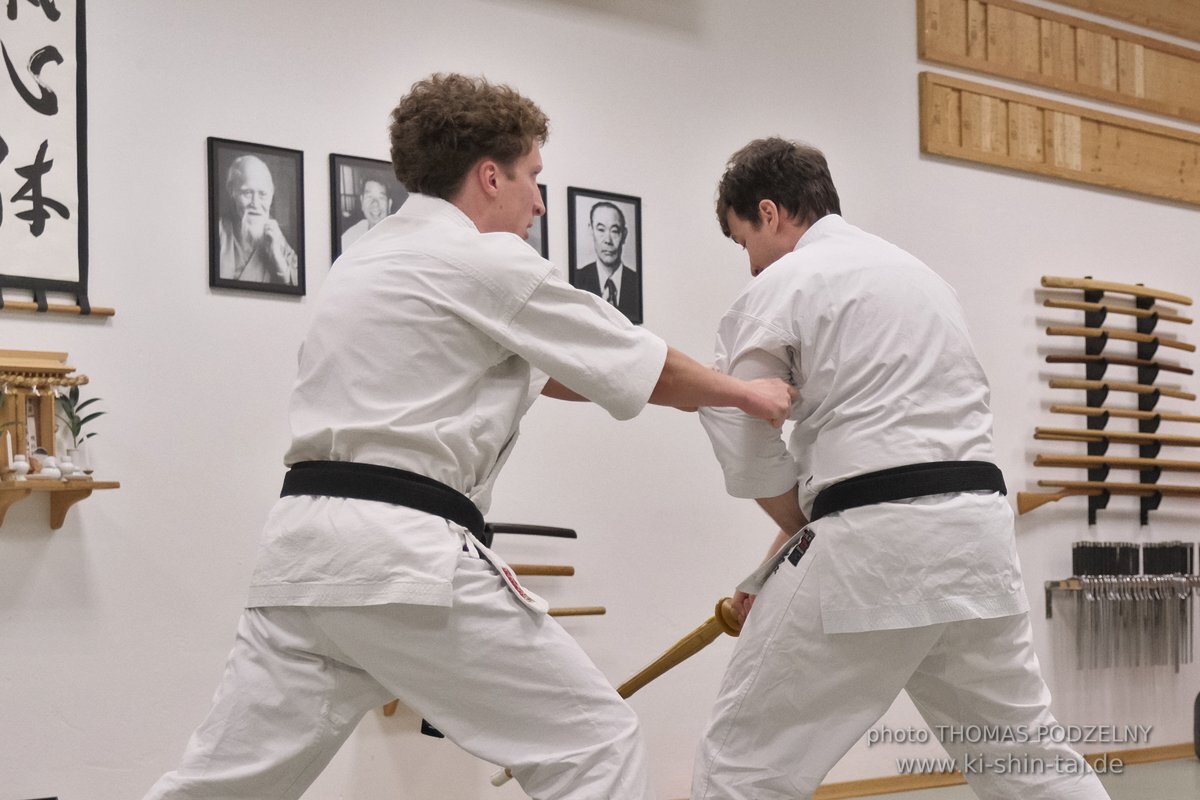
<point x="43" y="161"/>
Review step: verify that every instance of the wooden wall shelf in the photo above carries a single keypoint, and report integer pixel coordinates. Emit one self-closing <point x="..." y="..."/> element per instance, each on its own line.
<point x="63" y="495"/>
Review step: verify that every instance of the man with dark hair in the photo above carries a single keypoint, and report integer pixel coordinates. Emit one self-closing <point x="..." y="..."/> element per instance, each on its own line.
<point x="895" y="565"/>
<point x="375" y="203"/>
<point x="374" y="577"/>
<point x="608" y="276"/>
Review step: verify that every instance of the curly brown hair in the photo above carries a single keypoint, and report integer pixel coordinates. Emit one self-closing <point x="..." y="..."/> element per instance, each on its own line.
<point x="795" y="176"/>
<point x="447" y="122"/>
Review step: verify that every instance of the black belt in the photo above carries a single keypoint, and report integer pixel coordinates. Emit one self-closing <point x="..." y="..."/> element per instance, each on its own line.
<point x="902" y="483"/>
<point x="387" y="485"/>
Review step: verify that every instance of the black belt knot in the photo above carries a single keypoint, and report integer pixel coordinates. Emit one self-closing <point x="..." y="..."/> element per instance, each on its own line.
<point x="386" y="485"/>
<point x="903" y="483"/>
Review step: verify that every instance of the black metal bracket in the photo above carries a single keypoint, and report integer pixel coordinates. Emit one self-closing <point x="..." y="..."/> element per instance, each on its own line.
<point x="1097" y="503"/>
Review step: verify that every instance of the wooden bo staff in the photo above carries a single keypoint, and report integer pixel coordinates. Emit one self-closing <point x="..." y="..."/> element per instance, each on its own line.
<point x="1118" y="386"/>
<point x="1114" y="333"/>
<point x="1090" y="285"/>
<point x="1118" y="361"/>
<point x="557" y="570"/>
<point x="723" y="620"/>
<point x="1122" y="437"/>
<point x="1120" y="462"/>
<point x="1027" y="501"/>
<point x="579" y="611"/>
<point x="1108" y="308"/>
<point x="1128" y="413"/>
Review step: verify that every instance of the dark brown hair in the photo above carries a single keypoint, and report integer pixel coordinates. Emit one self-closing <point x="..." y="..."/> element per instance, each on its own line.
<point x="447" y="122"/>
<point x="795" y="176"/>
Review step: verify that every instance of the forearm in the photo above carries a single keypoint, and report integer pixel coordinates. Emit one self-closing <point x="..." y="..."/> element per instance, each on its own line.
<point x="686" y="383"/>
<point x="784" y="509"/>
<point x="559" y="392"/>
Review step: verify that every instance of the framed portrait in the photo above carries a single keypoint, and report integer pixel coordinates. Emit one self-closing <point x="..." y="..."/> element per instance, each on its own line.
<point x="255" y="217"/>
<point x="604" y="232"/>
<point x="362" y="191"/>
<point x="537" y="234"/>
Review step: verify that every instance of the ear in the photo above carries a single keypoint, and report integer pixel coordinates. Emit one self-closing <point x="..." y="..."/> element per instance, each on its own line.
<point x="768" y="214"/>
<point x="487" y="173"/>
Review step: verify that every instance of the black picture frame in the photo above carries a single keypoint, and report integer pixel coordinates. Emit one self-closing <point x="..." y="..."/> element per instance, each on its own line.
<point x="540" y="232"/>
<point x="257" y="269"/>
<point x="583" y="259"/>
<point x="348" y="176"/>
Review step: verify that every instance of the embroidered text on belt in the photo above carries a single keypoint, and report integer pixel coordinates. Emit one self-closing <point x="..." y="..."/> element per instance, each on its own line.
<point x="903" y="483"/>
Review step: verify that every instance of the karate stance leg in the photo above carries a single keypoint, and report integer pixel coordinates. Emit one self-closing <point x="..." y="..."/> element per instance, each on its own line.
<point x="279" y="715"/>
<point x="984" y="673"/>
<point x="795" y="699"/>
<point x="506" y="684"/>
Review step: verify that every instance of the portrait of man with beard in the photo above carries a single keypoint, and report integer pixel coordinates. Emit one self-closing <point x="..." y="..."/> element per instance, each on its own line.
<point x="605" y="237"/>
<point x="255" y="202"/>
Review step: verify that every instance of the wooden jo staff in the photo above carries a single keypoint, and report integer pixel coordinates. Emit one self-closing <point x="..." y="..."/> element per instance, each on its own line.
<point x="1126" y="413"/>
<point x="1113" y="333"/>
<point x="1118" y="386"/>
<point x="1110" y="308"/>
<point x="1121" y="437"/>
<point x="1089" y="284"/>
<point x="1118" y="361"/>
<point x="723" y="620"/>
<point x="1027" y="501"/>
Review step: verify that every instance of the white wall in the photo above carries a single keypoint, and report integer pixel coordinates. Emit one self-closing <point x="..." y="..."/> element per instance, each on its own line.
<point x="114" y="629"/>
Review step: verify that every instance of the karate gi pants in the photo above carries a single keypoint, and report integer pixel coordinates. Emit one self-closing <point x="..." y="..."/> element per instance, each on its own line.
<point x="794" y="700"/>
<point x="504" y="683"/>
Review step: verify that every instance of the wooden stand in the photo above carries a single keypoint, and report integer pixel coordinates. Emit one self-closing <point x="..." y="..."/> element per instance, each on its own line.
<point x="63" y="495"/>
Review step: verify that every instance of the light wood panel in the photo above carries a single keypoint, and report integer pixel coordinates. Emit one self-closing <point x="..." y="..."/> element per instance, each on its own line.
<point x="1034" y="45"/>
<point x="985" y="124"/>
<point x="1176" y="17"/>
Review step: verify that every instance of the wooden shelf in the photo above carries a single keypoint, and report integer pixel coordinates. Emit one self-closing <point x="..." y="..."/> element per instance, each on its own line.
<point x="63" y="495"/>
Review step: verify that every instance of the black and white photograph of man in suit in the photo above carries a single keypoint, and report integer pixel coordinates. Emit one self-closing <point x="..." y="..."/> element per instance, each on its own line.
<point x="605" y="232"/>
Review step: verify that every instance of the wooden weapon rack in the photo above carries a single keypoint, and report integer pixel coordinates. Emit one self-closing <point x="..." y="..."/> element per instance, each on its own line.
<point x="1145" y="313"/>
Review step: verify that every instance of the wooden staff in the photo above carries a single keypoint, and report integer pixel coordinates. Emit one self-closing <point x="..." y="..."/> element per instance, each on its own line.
<point x="558" y="570"/>
<point x="580" y="611"/>
<point x="1088" y="284"/>
<point x="1126" y="413"/>
<point x="1133" y="311"/>
<point x="1076" y="435"/>
<point x="1027" y="501"/>
<point x="1165" y="366"/>
<point x="1120" y="462"/>
<point x="1119" y="386"/>
<point x="57" y="308"/>
<point x="723" y="620"/>
<point x="1113" y="333"/>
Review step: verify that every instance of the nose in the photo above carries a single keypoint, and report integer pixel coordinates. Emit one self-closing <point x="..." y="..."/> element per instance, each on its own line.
<point x="539" y="209"/>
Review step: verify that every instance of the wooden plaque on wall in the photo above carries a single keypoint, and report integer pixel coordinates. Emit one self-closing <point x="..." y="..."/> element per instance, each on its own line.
<point x="989" y="125"/>
<point x="1034" y="45"/>
<point x="1176" y="17"/>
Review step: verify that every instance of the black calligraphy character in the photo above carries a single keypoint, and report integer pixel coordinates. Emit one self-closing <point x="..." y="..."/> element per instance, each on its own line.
<point x="31" y="192"/>
<point x="47" y="103"/>
<point x="3" y="155"/>
<point x="48" y="6"/>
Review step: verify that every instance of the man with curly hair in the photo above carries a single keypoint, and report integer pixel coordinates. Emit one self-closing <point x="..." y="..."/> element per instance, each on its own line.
<point x="895" y="564"/>
<point x="374" y="580"/>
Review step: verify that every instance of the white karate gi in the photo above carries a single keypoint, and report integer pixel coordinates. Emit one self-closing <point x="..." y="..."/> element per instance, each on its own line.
<point x="924" y="594"/>
<point x="428" y="344"/>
